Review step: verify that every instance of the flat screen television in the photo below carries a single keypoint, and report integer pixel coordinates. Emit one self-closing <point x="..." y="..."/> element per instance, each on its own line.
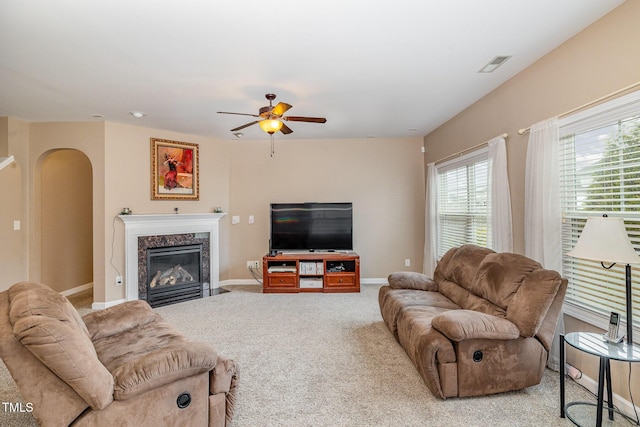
<point x="311" y="226"/>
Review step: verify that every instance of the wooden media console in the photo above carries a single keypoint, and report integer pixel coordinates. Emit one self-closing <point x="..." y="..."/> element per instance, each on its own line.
<point x="311" y="272"/>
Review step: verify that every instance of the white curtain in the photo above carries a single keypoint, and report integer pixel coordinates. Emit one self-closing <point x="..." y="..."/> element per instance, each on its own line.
<point x="431" y="222"/>
<point x="542" y="216"/>
<point x="500" y="196"/>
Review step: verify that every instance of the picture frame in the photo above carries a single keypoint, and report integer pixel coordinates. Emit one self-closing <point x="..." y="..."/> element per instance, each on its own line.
<point x="174" y="170"/>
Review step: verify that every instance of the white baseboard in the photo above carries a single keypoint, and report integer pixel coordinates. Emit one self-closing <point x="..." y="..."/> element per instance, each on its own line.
<point x="103" y="305"/>
<point x="622" y="404"/>
<point x="239" y="282"/>
<point x="374" y="281"/>
<point x="77" y="289"/>
<point x="370" y="281"/>
<point x="95" y="305"/>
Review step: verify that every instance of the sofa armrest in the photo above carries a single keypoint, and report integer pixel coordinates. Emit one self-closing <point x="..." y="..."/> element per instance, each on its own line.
<point x="224" y="378"/>
<point x="460" y="325"/>
<point x="119" y="318"/>
<point x="412" y="280"/>
<point x="162" y="366"/>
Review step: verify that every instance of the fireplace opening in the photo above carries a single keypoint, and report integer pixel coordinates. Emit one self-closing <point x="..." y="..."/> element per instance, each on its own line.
<point x="174" y="274"/>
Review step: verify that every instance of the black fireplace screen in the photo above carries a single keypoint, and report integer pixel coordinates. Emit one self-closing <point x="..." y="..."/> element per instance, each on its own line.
<point x="174" y="274"/>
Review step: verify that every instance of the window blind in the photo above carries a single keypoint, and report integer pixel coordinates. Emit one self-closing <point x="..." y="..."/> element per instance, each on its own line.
<point x="599" y="160"/>
<point x="462" y="202"/>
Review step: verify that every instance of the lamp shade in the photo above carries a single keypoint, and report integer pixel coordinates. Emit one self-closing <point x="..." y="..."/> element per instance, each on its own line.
<point x="605" y="239"/>
<point x="270" y="125"/>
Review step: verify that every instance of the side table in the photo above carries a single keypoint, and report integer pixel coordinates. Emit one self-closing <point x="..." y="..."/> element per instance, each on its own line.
<point x="595" y="344"/>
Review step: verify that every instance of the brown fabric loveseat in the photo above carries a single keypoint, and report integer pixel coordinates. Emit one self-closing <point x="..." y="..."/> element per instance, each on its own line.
<point x="484" y="324"/>
<point x="123" y="366"/>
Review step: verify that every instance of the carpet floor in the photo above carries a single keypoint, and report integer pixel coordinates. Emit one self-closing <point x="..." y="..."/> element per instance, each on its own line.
<point x="328" y="360"/>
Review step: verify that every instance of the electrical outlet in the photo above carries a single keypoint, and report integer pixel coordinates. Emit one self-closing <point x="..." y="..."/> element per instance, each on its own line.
<point x="118" y="280"/>
<point x="407" y="262"/>
<point x="253" y="265"/>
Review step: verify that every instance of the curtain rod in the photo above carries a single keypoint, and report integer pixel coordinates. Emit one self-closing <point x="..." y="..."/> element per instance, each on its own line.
<point x="466" y="150"/>
<point x="588" y="104"/>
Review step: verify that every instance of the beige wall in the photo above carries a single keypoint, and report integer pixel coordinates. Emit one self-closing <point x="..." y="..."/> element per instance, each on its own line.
<point x="43" y="140"/>
<point x="14" y="140"/>
<point x="127" y="183"/>
<point x="383" y="178"/>
<point x="67" y="226"/>
<point x="4" y="136"/>
<point x="601" y="59"/>
<point x="11" y="247"/>
<point x="10" y="201"/>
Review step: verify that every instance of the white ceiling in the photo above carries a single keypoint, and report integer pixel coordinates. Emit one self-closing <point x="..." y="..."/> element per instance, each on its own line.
<point x="372" y="68"/>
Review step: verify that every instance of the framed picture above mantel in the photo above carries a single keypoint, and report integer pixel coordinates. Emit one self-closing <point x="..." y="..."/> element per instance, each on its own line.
<point x="174" y="170"/>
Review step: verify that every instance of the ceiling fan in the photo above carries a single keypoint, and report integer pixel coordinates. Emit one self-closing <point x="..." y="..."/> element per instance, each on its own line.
<point x="271" y="117"/>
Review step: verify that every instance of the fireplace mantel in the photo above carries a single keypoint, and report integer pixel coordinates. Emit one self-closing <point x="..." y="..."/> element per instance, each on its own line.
<point x="163" y="224"/>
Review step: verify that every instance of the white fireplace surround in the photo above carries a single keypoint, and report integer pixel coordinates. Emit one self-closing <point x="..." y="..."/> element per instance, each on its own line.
<point x="164" y="224"/>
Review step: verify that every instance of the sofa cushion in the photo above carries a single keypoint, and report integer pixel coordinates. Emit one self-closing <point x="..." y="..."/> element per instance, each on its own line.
<point x="461" y="267"/>
<point x="150" y="355"/>
<point x="411" y="280"/>
<point x="119" y="318"/>
<point x="393" y="301"/>
<point x="51" y="329"/>
<point x="529" y="306"/>
<point x="460" y="325"/>
<point x="500" y="275"/>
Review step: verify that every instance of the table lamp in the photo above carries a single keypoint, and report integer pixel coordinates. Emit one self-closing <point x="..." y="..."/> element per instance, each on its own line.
<point x="605" y="239"/>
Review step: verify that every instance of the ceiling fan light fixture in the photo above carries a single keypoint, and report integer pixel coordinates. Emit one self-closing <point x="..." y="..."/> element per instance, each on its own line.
<point x="271" y="126"/>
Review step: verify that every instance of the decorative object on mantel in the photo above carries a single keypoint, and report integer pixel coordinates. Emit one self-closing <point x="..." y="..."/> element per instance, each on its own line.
<point x="217" y="209"/>
<point x="126" y="211"/>
<point x="174" y="170"/>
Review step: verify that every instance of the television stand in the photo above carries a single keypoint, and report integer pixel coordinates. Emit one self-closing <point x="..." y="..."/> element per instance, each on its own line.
<point x="311" y="272"/>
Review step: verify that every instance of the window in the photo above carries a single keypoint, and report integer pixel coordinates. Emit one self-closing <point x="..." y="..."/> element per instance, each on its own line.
<point x="599" y="160"/>
<point x="463" y="202"/>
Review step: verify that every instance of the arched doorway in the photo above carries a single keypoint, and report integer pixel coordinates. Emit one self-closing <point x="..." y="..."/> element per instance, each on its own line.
<point x="66" y="189"/>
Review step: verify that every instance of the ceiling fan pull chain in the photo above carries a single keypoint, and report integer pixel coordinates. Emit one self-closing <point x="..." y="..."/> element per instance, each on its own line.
<point x="272" y="148"/>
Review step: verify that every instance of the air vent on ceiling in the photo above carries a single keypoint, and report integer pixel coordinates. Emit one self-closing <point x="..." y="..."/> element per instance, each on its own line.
<point x="494" y="64"/>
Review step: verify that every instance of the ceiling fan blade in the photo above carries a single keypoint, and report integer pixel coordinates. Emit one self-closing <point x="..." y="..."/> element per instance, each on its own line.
<point x="285" y="129"/>
<point x="245" y="126"/>
<point x="238" y="114"/>
<point x="280" y="109"/>
<point x="305" y="119"/>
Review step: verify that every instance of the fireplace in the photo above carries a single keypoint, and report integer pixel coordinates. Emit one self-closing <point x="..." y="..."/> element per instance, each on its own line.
<point x="160" y="254"/>
<point x="143" y="232"/>
<point x="174" y="274"/>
